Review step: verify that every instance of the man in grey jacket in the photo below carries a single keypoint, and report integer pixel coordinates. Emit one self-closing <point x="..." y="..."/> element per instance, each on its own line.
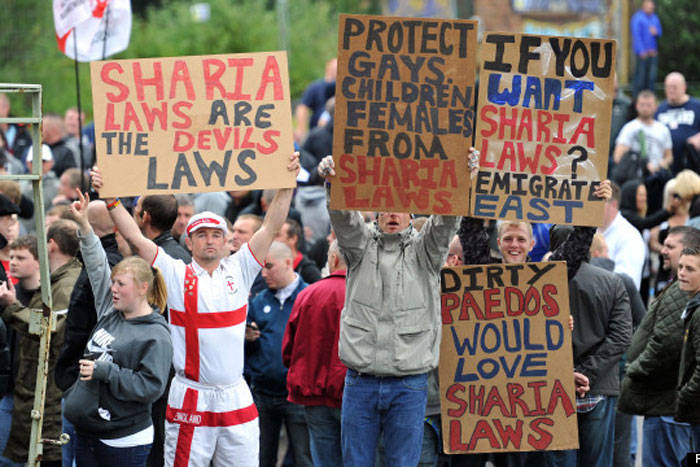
<point x="389" y="330"/>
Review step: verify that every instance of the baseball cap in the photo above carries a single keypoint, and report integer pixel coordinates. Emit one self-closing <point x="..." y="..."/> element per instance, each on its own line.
<point x="46" y="153"/>
<point x="206" y="219"/>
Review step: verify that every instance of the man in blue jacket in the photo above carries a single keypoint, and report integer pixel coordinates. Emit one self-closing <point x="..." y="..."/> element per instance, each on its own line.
<point x="268" y="314"/>
<point x="645" y="28"/>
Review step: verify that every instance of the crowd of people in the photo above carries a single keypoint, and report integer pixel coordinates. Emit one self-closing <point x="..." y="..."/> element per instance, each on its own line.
<point x="261" y="327"/>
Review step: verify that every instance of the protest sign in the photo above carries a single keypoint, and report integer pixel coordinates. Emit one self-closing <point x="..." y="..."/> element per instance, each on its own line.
<point x="506" y="365"/>
<point x="193" y="124"/>
<point x="403" y="114"/>
<point x="543" y="128"/>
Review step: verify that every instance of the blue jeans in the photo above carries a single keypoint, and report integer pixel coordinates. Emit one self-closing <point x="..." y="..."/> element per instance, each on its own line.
<point x="393" y="406"/>
<point x="596" y="439"/>
<point x="272" y="412"/>
<point x="430" y="449"/>
<point x="91" y="452"/>
<point x="695" y="430"/>
<point x="6" y="404"/>
<point x="665" y="441"/>
<point x="645" y="73"/>
<point x="324" y="435"/>
<point x="68" y="449"/>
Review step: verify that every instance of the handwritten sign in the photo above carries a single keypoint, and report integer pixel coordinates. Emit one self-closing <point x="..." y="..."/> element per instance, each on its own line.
<point x="404" y="114"/>
<point x="192" y="124"/>
<point x="506" y="365"/>
<point x="545" y="105"/>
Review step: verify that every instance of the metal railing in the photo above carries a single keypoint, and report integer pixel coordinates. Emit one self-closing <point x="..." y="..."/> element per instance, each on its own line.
<point x="42" y="321"/>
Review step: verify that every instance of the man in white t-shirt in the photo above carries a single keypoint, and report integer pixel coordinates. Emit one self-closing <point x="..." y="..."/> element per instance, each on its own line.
<point x="625" y="244"/>
<point x="211" y="417"/>
<point x="649" y="137"/>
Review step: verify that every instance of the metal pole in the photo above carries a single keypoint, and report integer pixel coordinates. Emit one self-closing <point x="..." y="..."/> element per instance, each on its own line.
<point x="80" y="112"/>
<point x="41" y="322"/>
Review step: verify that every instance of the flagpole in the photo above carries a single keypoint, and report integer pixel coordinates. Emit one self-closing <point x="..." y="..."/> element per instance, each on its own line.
<point x="80" y="113"/>
<point x="104" y="38"/>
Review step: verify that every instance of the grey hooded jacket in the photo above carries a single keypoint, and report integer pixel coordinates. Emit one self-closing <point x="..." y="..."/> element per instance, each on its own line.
<point x="132" y="361"/>
<point x="390" y="325"/>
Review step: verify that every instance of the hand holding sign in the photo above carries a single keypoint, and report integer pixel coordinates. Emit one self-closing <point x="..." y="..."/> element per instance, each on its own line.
<point x="326" y="168"/>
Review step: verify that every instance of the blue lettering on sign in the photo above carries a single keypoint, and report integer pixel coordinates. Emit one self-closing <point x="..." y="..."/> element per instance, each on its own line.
<point x="568" y="208"/>
<point x="512" y="203"/>
<point x="471" y="346"/>
<point x="515" y="336"/>
<point x="579" y="86"/>
<point x="511" y="97"/>
<point x="552" y="323"/>
<point x="484" y="205"/>
<point x="530" y="362"/>
<point x="542" y="206"/>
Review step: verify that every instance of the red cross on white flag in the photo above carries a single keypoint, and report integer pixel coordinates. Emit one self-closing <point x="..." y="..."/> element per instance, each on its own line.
<point x="100" y="27"/>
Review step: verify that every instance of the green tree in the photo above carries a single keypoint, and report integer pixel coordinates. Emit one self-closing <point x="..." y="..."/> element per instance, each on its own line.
<point x="679" y="47"/>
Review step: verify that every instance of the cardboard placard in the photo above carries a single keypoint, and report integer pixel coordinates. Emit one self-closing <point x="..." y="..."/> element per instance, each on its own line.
<point x="192" y="124"/>
<point x="544" y="112"/>
<point x="506" y="364"/>
<point x="403" y="114"/>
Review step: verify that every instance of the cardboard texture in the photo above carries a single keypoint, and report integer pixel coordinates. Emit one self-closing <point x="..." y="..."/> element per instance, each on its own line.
<point x="403" y="114"/>
<point x="543" y="128"/>
<point x="193" y="124"/>
<point x="506" y="364"/>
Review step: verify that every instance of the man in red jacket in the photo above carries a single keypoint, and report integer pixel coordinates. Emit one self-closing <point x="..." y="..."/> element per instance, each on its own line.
<point x="310" y="351"/>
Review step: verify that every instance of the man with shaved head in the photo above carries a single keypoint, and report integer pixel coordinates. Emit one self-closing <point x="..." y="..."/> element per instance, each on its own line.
<point x="681" y="114"/>
<point x="268" y="315"/>
<point x="54" y="134"/>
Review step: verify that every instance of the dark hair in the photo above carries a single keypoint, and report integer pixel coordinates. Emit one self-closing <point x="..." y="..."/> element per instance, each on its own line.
<point x="293" y="230"/>
<point x="690" y="236"/>
<point x="162" y="209"/>
<point x="690" y="251"/>
<point x="615" y="192"/>
<point x="65" y="233"/>
<point x="26" y="242"/>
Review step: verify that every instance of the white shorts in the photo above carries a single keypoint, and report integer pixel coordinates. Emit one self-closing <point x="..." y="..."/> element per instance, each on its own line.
<point x="215" y="425"/>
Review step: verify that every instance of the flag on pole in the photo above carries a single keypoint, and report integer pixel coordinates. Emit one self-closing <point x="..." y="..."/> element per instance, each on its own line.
<point x="99" y="28"/>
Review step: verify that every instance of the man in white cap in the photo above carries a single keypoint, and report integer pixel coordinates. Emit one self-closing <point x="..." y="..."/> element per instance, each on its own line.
<point x="49" y="180"/>
<point x="211" y="417"/>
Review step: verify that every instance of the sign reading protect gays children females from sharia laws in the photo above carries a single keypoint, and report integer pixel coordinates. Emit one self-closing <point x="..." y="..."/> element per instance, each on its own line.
<point x="545" y="105"/>
<point x="404" y="114"/>
<point x="506" y="364"/>
<point x="193" y="124"/>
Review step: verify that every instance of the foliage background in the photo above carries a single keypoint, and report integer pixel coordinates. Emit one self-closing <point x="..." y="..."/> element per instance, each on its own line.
<point x="28" y="51"/>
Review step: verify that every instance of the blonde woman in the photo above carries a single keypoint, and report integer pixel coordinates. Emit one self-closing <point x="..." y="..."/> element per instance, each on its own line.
<point x="127" y="359"/>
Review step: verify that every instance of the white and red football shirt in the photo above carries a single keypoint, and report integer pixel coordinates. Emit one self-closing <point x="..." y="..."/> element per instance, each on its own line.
<point x="208" y="314"/>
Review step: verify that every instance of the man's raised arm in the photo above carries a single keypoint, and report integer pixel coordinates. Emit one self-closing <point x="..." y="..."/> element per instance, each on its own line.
<point x="126" y="225"/>
<point x="276" y="215"/>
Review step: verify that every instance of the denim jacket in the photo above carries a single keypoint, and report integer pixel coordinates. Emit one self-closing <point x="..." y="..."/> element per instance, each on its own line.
<point x="390" y="325"/>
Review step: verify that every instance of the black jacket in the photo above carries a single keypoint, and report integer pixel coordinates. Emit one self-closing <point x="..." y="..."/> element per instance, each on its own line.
<point x="651" y="375"/>
<point x="603" y="326"/>
<point x="63" y="157"/>
<point x="81" y="320"/>
<point x="636" y="304"/>
<point x="307" y="270"/>
<point x="689" y="376"/>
